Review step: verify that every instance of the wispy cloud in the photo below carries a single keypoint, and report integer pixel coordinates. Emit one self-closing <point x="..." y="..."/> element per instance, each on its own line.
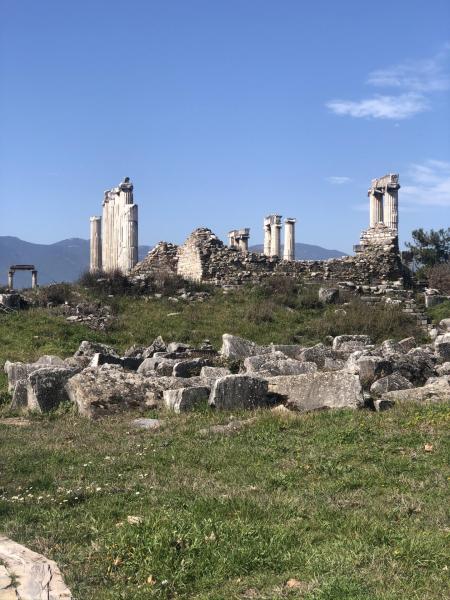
<point x="381" y="107"/>
<point x="427" y="184"/>
<point x="336" y="180"/>
<point x="416" y="80"/>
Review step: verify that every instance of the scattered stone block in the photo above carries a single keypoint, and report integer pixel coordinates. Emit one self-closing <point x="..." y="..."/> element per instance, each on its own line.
<point x="236" y="348"/>
<point x="392" y="382"/>
<point x="91" y="348"/>
<point x="235" y="392"/>
<point x="277" y="364"/>
<point x="346" y="344"/>
<point x="151" y="424"/>
<point x="189" y="368"/>
<point x="313" y="391"/>
<point x="214" y="372"/>
<point x="46" y="388"/>
<point x="186" y="399"/>
<point x="328" y="295"/>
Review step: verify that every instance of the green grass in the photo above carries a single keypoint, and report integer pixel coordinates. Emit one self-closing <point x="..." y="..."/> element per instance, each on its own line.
<point x="439" y="312"/>
<point x="348" y="503"/>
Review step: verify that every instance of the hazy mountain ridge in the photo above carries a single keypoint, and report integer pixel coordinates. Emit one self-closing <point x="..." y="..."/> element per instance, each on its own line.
<point x="67" y="259"/>
<point x="307" y="252"/>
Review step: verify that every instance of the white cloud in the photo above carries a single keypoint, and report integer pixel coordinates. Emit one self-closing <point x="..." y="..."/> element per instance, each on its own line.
<point x="427" y="184"/>
<point x="336" y="180"/>
<point x="430" y="75"/>
<point x="381" y="107"/>
<point x="416" y="82"/>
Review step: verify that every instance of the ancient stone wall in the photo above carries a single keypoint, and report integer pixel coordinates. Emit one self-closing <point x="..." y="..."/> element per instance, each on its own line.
<point x="203" y="257"/>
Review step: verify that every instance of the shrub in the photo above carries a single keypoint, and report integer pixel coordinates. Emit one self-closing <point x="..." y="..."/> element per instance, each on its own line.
<point x="56" y="293"/>
<point x="380" y="321"/>
<point x="439" y="277"/>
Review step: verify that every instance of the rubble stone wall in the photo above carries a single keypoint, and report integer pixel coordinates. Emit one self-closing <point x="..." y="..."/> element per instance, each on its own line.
<point x="203" y="257"/>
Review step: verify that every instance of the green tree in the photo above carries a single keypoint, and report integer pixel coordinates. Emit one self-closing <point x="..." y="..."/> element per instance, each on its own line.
<point x="430" y="248"/>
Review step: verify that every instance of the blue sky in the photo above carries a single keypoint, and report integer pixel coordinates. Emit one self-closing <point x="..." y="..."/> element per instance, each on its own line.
<point x="223" y="111"/>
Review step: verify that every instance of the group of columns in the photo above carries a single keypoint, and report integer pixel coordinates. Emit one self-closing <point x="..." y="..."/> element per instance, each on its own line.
<point x="116" y="247"/>
<point x="272" y="237"/>
<point x="238" y="238"/>
<point x="383" y="195"/>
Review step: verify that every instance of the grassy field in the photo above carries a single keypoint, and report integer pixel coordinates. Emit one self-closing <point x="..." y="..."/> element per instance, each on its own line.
<point x="346" y="505"/>
<point x="352" y="505"/>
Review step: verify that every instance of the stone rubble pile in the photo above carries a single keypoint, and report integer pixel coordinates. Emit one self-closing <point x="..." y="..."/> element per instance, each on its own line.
<point x="352" y="372"/>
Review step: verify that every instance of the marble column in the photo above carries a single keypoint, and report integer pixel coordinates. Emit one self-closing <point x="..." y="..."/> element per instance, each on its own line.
<point x="33" y="279"/>
<point x="275" y="237"/>
<point x="376" y="207"/>
<point x="243" y="244"/>
<point x="267" y="237"/>
<point x="96" y="244"/>
<point x="129" y="238"/>
<point x="231" y="240"/>
<point x="289" y="239"/>
<point x="11" y="280"/>
<point x="391" y="207"/>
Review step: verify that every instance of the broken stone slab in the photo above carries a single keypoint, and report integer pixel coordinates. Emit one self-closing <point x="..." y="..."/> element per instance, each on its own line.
<point x="35" y="577"/>
<point x="46" y="388"/>
<point x="50" y="360"/>
<point x="109" y="389"/>
<point x="407" y="344"/>
<point x="100" y="359"/>
<point x="178" y="347"/>
<point x="346" y="344"/>
<point x="157" y="365"/>
<point x="444" y="325"/>
<point x="443" y="369"/>
<point x="371" y="368"/>
<point x="290" y="350"/>
<point x="19" y="371"/>
<point x="210" y="373"/>
<point x="312" y="391"/>
<point x="158" y="345"/>
<point x="317" y="354"/>
<point x="277" y="364"/>
<point x="328" y="295"/>
<point x="333" y="364"/>
<point x="417" y="365"/>
<point x="20" y="396"/>
<point x="443" y="351"/>
<point x="189" y="368"/>
<point x="434" y="393"/>
<point x="228" y="429"/>
<point x="391" y="347"/>
<point x="186" y="399"/>
<point x="151" y="424"/>
<point x="392" y="382"/>
<point x="87" y="348"/>
<point x="237" y="348"/>
<point x="381" y="404"/>
<point x="238" y="392"/>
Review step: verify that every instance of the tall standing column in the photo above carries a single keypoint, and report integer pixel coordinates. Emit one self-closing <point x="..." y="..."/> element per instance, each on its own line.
<point x="33" y="279"/>
<point x="96" y="244"/>
<point x="391" y="207"/>
<point x="129" y="254"/>
<point x="289" y="239"/>
<point x="267" y="236"/>
<point x="376" y="207"/>
<point x="10" y="280"/>
<point x="231" y="240"/>
<point x="275" y="230"/>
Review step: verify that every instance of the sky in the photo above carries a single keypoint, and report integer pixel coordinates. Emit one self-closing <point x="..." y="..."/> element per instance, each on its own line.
<point x="221" y="112"/>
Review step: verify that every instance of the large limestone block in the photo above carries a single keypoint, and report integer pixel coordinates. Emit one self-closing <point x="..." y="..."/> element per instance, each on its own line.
<point x="235" y="392"/>
<point x="336" y="389"/>
<point x="317" y="354"/>
<point x="91" y="348"/>
<point x="186" y="399"/>
<point x="371" y="368"/>
<point x="19" y="371"/>
<point x="189" y="368"/>
<point x="346" y="344"/>
<point x="445" y="325"/>
<point x="290" y="350"/>
<point x="443" y="351"/>
<point x="236" y="348"/>
<point x="214" y="372"/>
<point x="109" y="389"/>
<point x="35" y="576"/>
<point x="416" y="365"/>
<point x="277" y="364"/>
<point x="328" y="295"/>
<point x="46" y="388"/>
<point x="392" y="382"/>
<point x="433" y="393"/>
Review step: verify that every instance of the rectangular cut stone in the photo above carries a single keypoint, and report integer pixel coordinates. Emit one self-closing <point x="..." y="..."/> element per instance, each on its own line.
<point x="312" y="391"/>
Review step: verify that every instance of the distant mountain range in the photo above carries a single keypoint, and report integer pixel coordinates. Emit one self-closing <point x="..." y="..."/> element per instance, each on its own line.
<point x="66" y="260"/>
<point x="307" y="252"/>
<point x="62" y="261"/>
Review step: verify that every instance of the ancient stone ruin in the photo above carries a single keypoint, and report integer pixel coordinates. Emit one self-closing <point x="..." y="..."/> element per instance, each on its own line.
<point x="205" y="258"/>
<point x="116" y="247"/>
<point x="14" y="268"/>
